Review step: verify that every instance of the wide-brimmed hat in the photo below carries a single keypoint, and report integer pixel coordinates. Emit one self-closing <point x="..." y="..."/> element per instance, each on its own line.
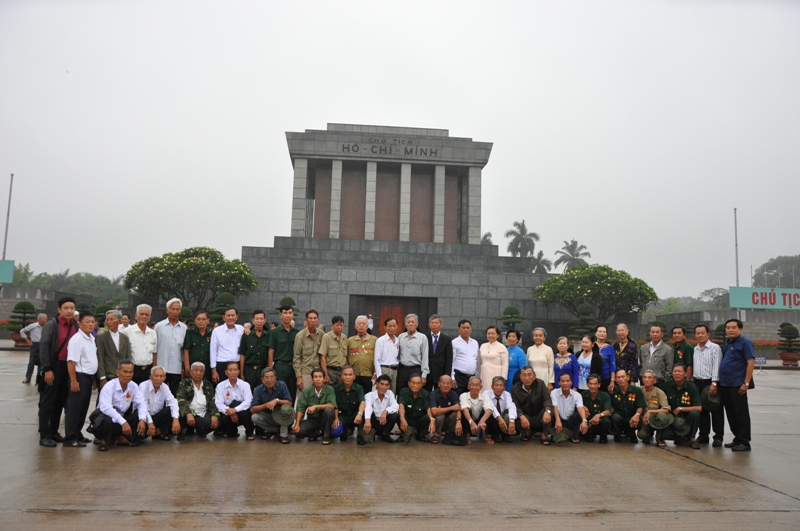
<point x="283" y="415"/>
<point x="680" y="426"/>
<point x="563" y="436"/>
<point x="710" y="402"/>
<point x="659" y="421"/>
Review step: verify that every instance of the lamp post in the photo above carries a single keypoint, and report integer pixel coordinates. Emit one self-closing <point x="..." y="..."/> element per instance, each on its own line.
<point x="8" y="215"/>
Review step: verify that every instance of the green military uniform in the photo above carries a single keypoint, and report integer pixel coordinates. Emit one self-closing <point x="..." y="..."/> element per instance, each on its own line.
<point x="596" y="405"/>
<point x="684" y="353"/>
<point x="334" y="350"/>
<point x="309" y="398"/>
<point x="199" y="347"/>
<point x="255" y="350"/>
<point x="687" y="396"/>
<point x="348" y="403"/>
<point x="624" y="408"/>
<point x="305" y="352"/>
<point x="282" y="342"/>
<point x="361" y="355"/>
<point x="416" y="409"/>
<point x="655" y="400"/>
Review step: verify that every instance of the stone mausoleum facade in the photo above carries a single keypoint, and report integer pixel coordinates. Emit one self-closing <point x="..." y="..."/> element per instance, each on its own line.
<point x="387" y="221"/>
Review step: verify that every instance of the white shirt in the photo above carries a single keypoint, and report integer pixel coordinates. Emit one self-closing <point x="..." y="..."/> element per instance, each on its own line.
<point x="82" y="350"/>
<point x="114" y="401"/>
<point x="115" y="338"/>
<point x="225" y="344"/>
<point x="386" y="352"/>
<point x="156" y="400"/>
<point x="143" y="344"/>
<point x="566" y="404"/>
<point x="376" y="406"/>
<point x="34" y="329"/>
<point x="653" y="347"/>
<point x="505" y="404"/>
<point x="475" y="405"/>
<point x="465" y="356"/>
<point x="199" y="405"/>
<point x="706" y="361"/>
<point x="227" y="393"/>
<point x="170" y="345"/>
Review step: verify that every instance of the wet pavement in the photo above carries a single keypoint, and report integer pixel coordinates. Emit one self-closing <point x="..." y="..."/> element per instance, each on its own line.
<point x="254" y="484"/>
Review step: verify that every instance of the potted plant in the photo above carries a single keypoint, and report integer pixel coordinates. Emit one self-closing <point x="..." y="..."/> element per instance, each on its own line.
<point x="21" y="316"/>
<point x="789" y="340"/>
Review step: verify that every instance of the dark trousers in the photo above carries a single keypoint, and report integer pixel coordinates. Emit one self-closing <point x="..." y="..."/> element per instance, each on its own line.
<point x="172" y="382"/>
<point x="33" y="359"/>
<point x="348" y="420"/>
<point x="321" y="424"/>
<point x="738" y="412"/>
<point x="285" y="373"/>
<point x="384" y="429"/>
<point x="573" y="423"/>
<point x="78" y="408"/>
<point x="365" y="382"/>
<point x="622" y="425"/>
<point x="420" y="424"/>
<point x="465" y="427"/>
<point x="163" y="420"/>
<point x="462" y="381"/>
<point x="404" y="373"/>
<point x="110" y="430"/>
<point x="232" y="428"/>
<point x="493" y="426"/>
<point x="600" y="429"/>
<point x="52" y="399"/>
<point x="537" y="424"/>
<point x="711" y="419"/>
<point x="202" y="425"/>
<point x="141" y="373"/>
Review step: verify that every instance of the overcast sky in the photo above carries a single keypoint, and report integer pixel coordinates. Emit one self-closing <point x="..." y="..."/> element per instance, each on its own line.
<point x="139" y="128"/>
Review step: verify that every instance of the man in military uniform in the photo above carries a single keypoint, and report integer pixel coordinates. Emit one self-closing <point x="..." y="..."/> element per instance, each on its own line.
<point x="627" y="402"/>
<point x="684" y="399"/>
<point x="305" y="353"/>
<point x="598" y="405"/>
<point x="656" y="406"/>
<point x="318" y="403"/>
<point x="254" y="351"/>
<point x="197" y="345"/>
<point x="281" y="349"/>
<point x="415" y="417"/>
<point x="684" y="351"/>
<point x="333" y="351"/>
<point x="361" y="354"/>
<point x="350" y="401"/>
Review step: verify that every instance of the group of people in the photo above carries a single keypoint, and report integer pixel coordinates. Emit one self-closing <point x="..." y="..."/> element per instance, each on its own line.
<point x="174" y="380"/>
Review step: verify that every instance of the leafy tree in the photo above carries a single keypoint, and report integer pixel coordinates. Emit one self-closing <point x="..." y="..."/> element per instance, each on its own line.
<point x="541" y="265"/>
<point x="586" y="323"/>
<point x="223" y="301"/>
<point x="100" y="313"/>
<point x="612" y="293"/>
<point x="186" y="316"/>
<point x="82" y="307"/>
<point x="196" y="276"/>
<point x="788" y="334"/>
<point x="572" y="255"/>
<point x="717" y="297"/>
<point x="21" y="316"/>
<point x="719" y="334"/>
<point x="487" y="239"/>
<point x="781" y="271"/>
<point x="522" y="242"/>
<point x="22" y="275"/>
<point x="661" y="324"/>
<point x="510" y="318"/>
<point x="672" y="305"/>
<point x="103" y="290"/>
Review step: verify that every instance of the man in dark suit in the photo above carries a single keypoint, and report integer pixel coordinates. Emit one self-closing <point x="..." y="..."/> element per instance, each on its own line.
<point x="112" y="347"/>
<point x="440" y="348"/>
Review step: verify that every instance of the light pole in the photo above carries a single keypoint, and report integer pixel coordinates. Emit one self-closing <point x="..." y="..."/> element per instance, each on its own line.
<point x="736" y="241"/>
<point x="8" y="215"/>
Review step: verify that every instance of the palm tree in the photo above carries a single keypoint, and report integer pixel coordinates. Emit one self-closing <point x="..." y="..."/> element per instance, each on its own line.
<point x="541" y="265"/>
<point x="572" y="255"/>
<point x="522" y="242"/>
<point x="487" y="239"/>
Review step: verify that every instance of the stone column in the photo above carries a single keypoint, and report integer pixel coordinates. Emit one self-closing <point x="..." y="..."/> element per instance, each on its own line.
<point x="474" y="206"/>
<point x="299" y="198"/>
<point x="369" y="218"/>
<point x="336" y="198"/>
<point x="405" y="202"/>
<point x="438" y="205"/>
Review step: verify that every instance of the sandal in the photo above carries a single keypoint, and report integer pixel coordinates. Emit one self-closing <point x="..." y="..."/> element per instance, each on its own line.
<point x="284" y="440"/>
<point x="574" y="441"/>
<point x="103" y="447"/>
<point x="326" y="441"/>
<point x="545" y="441"/>
<point x="161" y="437"/>
<point x="489" y="440"/>
<point x="265" y="437"/>
<point x="525" y="438"/>
<point x="435" y="439"/>
<point x="251" y="437"/>
<point x="74" y="444"/>
<point x="660" y="443"/>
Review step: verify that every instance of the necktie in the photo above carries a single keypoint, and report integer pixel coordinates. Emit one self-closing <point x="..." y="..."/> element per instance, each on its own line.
<point x="499" y="407"/>
<point x="435" y="341"/>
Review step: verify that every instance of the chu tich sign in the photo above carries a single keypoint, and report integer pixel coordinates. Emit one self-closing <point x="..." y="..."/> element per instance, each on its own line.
<point x="765" y="298"/>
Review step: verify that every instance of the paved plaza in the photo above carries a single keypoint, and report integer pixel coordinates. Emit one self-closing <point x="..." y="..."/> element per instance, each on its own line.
<point x="238" y="484"/>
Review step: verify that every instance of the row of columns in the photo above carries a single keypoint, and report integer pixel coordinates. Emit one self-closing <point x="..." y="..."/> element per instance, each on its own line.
<point x="301" y="222"/>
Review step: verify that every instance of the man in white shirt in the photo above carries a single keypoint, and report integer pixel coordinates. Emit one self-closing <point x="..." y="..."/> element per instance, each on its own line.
<point x="121" y="403"/>
<point x="413" y="355"/>
<point x="706" y="359"/>
<point x="568" y="409"/>
<point x="233" y="398"/>
<point x="381" y="410"/>
<point x="502" y="424"/>
<point x="196" y="406"/>
<point x="465" y="355"/>
<point x="81" y="366"/>
<point x="34" y="330"/>
<point x="387" y="350"/>
<point x="225" y="341"/>
<point x="144" y="344"/>
<point x="162" y="407"/>
<point x="171" y="333"/>
<point x="476" y="408"/>
<point x="124" y="321"/>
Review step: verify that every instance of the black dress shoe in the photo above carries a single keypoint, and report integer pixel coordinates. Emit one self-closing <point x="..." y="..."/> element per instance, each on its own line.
<point x="47" y="441"/>
<point x="506" y="438"/>
<point x="343" y="437"/>
<point x="702" y="440"/>
<point x="603" y="439"/>
<point x="387" y="438"/>
<point x="57" y="438"/>
<point x="633" y="439"/>
<point x="84" y="440"/>
<point x="741" y="448"/>
<point x="360" y="440"/>
<point x="717" y="443"/>
<point x="730" y="445"/>
<point x="617" y="438"/>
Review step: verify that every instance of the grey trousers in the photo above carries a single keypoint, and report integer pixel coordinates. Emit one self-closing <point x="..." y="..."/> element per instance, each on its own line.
<point x="265" y="421"/>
